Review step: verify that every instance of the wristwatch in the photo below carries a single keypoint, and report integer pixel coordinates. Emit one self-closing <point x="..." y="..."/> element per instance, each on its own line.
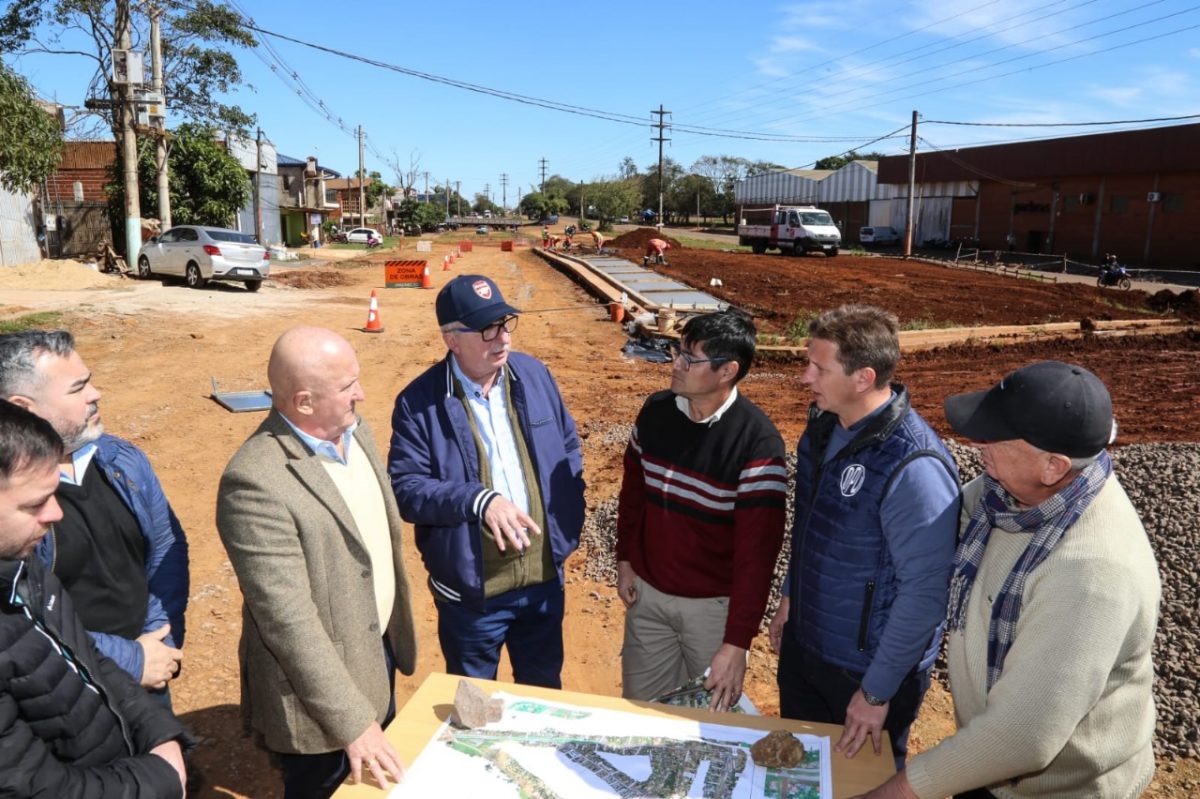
<point x="872" y="700"/>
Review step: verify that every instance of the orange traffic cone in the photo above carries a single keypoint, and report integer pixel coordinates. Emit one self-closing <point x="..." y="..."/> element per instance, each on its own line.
<point x="426" y="281"/>
<point x="373" y="323"/>
<point x="445" y="263"/>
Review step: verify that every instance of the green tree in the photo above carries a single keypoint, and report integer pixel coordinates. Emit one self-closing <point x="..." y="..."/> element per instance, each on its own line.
<point x="689" y="193"/>
<point x="208" y="185"/>
<point x="30" y="148"/>
<point x="198" y="39"/>
<point x="613" y="199"/>
<point x="839" y="161"/>
<point x="375" y="189"/>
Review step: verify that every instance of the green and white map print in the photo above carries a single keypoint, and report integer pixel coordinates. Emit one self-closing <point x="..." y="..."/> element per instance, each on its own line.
<point x="544" y="750"/>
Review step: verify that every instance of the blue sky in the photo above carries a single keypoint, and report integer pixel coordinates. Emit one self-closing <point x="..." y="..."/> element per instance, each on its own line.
<point x="816" y="77"/>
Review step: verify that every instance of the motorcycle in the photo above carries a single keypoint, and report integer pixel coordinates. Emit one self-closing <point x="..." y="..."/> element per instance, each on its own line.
<point x="1114" y="275"/>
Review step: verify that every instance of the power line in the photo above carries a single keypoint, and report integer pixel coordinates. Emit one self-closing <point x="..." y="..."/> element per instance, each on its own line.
<point x="1058" y="124"/>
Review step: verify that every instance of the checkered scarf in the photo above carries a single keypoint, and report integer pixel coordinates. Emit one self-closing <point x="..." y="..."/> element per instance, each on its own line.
<point x="1047" y="521"/>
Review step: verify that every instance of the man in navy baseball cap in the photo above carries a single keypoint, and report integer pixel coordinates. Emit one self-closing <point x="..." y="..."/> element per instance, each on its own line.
<point x="1056" y="407"/>
<point x="473" y="301"/>
<point x="485" y="463"/>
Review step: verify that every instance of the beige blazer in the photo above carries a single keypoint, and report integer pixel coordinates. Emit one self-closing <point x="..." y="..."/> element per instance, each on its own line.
<point x="313" y="674"/>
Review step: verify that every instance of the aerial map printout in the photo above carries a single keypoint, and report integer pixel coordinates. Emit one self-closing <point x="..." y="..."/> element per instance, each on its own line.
<point x="545" y="750"/>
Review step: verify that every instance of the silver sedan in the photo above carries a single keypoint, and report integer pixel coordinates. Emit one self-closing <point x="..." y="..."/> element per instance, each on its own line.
<point x="199" y="254"/>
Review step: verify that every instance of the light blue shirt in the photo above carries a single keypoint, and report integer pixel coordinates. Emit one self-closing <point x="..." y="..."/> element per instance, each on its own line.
<point x="496" y="433"/>
<point x="80" y="460"/>
<point x="321" y="447"/>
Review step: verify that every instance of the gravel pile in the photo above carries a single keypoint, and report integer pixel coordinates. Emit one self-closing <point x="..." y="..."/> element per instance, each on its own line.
<point x="1161" y="480"/>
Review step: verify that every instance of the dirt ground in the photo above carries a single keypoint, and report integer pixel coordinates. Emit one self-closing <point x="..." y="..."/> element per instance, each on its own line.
<point x="153" y="349"/>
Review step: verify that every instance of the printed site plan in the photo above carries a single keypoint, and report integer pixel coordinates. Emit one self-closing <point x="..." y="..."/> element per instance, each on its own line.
<point x="544" y="750"/>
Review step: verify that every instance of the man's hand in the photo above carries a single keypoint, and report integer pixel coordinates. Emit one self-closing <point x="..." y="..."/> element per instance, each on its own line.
<point x="626" y="583"/>
<point x="171" y="753"/>
<point x="862" y="720"/>
<point x="160" y="663"/>
<point x="374" y="751"/>
<point x="725" y="675"/>
<point x="507" y="521"/>
<point x="895" y="788"/>
<point x="775" y="628"/>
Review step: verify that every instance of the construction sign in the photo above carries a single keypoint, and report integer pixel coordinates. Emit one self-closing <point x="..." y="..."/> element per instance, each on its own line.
<point x="403" y="274"/>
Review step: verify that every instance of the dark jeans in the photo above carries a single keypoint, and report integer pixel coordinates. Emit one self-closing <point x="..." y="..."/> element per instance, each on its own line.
<point x="978" y="793"/>
<point x="526" y="620"/>
<point x="318" y="776"/>
<point x="813" y="690"/>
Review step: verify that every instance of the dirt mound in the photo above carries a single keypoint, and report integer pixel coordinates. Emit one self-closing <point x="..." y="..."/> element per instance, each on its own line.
<point x="636" y="239"/>
<point x="320" y="279"/>
<point x="56" y="274"/>
<point x="1185" y="304"/>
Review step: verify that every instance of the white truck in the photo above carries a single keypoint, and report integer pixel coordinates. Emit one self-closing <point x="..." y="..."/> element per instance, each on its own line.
<point x="795" y="229"/>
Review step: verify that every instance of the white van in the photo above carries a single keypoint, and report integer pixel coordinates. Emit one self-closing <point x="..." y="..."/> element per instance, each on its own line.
<point x="878" y="235"/>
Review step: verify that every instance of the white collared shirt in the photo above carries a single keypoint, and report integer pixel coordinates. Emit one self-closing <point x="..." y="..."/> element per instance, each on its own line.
<point x="685" y="407"/>
<point x="326" y="449"/>
<point x="497" y="434"/>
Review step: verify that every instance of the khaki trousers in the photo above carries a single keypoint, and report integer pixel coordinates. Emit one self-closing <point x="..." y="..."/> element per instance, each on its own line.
<point x="668" y="640"/>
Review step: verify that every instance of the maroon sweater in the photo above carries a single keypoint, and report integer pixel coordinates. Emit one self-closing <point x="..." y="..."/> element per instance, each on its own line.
<point x="701" y="509"/>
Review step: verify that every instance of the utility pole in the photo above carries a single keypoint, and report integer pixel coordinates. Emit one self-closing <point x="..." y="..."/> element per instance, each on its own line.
<point x="487" y="192"/>
<point x="458" y="196"/>
<point x="160" y="142"/>
<point x="426" y="187"/>
<point x="125" y="108"/>
<point x="912" y="187"/>
<point x="362" y="176"/>
<point x="542" y="167"/>
<point x="258" y="222"/>
<point x="582" y="204"/>
<point x="661" y="113"/>
<point x="447" y="198"/>
<point x="503" y="193"/>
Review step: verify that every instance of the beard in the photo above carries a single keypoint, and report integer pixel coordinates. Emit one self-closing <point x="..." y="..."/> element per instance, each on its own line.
<point x="77" y="436"/>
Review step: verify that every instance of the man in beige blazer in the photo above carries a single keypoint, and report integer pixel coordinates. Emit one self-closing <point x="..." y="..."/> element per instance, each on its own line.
<point x="307" y="515"/>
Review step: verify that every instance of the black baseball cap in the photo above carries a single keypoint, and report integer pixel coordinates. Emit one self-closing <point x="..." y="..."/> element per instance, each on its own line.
<point x="1057" y="407"/>
<point x="474" y="301"/>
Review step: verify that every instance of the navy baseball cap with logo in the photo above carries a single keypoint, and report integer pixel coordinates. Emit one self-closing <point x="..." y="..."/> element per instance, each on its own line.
<point x="1057" y="407"/>
<point x="472" y="301"/>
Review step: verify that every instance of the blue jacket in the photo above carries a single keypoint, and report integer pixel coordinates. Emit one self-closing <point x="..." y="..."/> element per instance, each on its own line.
<point x="434" y="467"/>
<point x="848" y="571"/>
<point x="129" y="472"/>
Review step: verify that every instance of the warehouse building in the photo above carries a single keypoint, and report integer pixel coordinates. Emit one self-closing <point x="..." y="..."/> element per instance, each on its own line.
<point x="1134" y="193"/>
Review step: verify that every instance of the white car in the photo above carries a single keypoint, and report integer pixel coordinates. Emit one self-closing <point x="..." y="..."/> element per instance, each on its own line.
<point x="878" y="235"/>
<point x="363" y="235"/>
<point x="199" y="254"/>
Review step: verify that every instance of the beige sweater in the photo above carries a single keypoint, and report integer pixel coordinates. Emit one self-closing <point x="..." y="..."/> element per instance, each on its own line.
<point x="1072" y="714"/>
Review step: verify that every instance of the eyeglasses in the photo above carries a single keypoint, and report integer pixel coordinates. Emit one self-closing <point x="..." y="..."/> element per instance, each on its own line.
<point x="689" y="360"/>
<point x="508" y="324"/>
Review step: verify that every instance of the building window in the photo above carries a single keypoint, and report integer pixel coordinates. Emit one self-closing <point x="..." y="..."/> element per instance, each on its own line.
<point x="1172" y="203"/>
<point x="1119" y="204"/>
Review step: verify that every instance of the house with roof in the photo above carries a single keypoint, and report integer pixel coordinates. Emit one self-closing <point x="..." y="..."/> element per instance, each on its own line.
<point x="305" y="200"/>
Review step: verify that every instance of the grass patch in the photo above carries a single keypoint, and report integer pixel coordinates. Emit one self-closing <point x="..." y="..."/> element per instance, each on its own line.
<point x="31" y="321"/>
<point x="797" y="329"/>
<point x="921" y="323"/>
<point x="709" y="244"/>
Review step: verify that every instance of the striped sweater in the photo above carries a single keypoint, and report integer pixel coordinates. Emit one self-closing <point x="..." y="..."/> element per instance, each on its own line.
<point x="701" y="509"/>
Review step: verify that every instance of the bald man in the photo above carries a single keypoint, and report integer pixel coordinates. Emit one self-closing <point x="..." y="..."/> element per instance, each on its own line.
<point x="306" y="512"/>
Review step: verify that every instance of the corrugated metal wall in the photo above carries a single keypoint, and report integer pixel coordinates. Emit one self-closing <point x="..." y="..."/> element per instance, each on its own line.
<point x="18" y="230"/>
<point x="776" y="187"/>
<point x="852" y="183"/>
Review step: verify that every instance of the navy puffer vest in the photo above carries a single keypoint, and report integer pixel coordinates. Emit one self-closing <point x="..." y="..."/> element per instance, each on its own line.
<point x="843" y="580"/>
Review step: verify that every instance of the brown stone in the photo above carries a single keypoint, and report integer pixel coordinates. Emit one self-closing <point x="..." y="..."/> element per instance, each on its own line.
<point x="779" y="749"/>
<point x="473" y="708"/>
